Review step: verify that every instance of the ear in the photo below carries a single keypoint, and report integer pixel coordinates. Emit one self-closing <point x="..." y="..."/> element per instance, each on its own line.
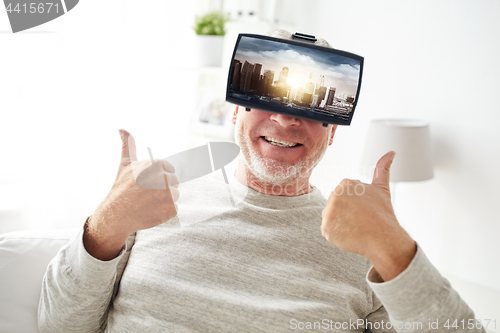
<point x="334" y="129"/>
<point x="235" y="115"/>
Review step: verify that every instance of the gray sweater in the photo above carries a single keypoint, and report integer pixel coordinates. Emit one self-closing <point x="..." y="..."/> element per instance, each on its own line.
<point x="259" y="266"/>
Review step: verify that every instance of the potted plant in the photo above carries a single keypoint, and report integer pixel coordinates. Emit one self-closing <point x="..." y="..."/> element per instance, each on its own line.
<point x="210" y="33"/>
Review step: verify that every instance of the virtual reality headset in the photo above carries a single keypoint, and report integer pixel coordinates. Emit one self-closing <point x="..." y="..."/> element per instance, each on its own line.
<point x="294" y="77"/>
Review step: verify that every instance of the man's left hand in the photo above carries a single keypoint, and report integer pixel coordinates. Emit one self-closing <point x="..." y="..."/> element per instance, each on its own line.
<point x="359" y="218"/>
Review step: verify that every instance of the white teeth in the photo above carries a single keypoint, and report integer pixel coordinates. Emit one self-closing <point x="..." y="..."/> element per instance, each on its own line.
<point x="280" y="143"/>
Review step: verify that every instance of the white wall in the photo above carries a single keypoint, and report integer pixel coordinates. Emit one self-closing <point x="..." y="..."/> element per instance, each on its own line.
<point x="439" y="61"/>
<point x="111" y="64"/>
<point x="66" y="87"/>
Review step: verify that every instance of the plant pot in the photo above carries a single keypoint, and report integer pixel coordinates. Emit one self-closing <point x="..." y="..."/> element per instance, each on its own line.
<point x="209" y="49"/>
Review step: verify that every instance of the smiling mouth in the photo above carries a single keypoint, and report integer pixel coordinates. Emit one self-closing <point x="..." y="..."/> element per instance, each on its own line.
<point x="280" y="143"/>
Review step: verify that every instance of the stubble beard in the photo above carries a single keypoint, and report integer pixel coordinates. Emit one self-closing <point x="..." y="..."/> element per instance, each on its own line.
<point x="272" y="171"/>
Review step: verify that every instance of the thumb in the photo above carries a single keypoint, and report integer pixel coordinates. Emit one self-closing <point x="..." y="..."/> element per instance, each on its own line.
<point x="381" y="176"/>
<point x="128" y="147"/>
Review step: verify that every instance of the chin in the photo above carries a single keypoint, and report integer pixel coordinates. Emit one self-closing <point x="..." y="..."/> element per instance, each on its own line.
<point x="274" y="172"/>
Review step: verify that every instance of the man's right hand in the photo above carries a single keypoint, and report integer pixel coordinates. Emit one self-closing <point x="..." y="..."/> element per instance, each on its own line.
<point x="128" y="208"/>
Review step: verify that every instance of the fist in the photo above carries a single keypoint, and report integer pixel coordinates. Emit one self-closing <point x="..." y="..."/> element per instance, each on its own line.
<point x="359" y="218"/>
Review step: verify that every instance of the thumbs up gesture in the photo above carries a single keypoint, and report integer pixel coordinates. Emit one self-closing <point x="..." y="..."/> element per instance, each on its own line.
<point x="142" y="196"/>
<point x="359" y="218"/>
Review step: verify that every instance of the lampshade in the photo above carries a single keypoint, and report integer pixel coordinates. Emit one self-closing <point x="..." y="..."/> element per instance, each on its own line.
<point x="409" y="139"/>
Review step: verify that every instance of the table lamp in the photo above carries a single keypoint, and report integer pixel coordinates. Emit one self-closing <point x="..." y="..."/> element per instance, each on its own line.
<point x="409" y="139"/>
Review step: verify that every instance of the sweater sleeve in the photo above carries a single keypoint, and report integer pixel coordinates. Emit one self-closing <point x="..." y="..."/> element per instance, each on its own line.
<point x="420" y="299"/>
<point x="77" y="288"/>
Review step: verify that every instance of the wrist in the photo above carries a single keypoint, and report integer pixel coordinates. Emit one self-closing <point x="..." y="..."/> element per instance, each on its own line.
<point x="394" y="257"/>
<point x="101" y="241"/>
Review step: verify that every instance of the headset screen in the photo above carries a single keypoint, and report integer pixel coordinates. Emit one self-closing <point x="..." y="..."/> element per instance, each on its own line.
<point x="295" y="78"/>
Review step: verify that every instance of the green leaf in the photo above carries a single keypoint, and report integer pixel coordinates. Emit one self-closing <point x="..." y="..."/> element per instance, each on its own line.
<point x="210" y="24"/>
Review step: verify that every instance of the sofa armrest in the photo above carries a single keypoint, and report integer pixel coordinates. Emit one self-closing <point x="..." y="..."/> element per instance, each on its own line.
<point x="24" y="257"/>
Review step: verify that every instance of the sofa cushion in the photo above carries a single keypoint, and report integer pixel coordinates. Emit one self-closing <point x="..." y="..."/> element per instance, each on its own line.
<point x="24" y="257"/>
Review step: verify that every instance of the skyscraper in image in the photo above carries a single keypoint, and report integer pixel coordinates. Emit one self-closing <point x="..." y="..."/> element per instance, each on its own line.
<point x="309" y="88"/>
<point x="321" y="94"/>
<point x="315" y="102"/>
<point x="300" y="94"/>
<point x="331" y="96"/>
<point x="255" y="77"/>
<point x="235" y="78"/>
<point x="246" y="76"/>
<point x="283" y="76"/>
<point x="268" y="81"/>
<point x="306" y="98"/>
<point x="319" y="86"/>
<point x="321" y="81"/>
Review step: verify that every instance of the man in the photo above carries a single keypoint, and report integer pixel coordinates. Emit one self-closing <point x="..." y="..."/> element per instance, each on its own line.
<point x="262" y="265"/>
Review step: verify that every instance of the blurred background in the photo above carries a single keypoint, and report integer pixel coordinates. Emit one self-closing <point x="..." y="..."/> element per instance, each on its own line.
<point x="67" y="86"/>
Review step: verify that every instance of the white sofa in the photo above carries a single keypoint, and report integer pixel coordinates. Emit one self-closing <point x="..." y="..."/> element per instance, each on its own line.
<point x="24" y="256"/>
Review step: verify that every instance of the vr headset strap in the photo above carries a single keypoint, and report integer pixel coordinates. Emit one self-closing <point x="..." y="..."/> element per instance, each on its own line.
<point x="304" y="38"/>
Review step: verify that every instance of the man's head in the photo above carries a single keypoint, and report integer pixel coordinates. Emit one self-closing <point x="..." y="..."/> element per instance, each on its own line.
<point x="278" y="149"/>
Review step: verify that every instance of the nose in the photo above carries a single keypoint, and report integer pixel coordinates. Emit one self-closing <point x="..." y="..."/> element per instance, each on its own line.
<point x="284" y="120"/>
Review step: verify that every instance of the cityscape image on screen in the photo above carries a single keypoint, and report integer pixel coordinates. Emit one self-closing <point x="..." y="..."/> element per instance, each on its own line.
<point x="268" y="72"/>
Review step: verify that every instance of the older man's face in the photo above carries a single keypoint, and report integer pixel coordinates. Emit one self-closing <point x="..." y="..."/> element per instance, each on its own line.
<point x="280" y="149"/>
